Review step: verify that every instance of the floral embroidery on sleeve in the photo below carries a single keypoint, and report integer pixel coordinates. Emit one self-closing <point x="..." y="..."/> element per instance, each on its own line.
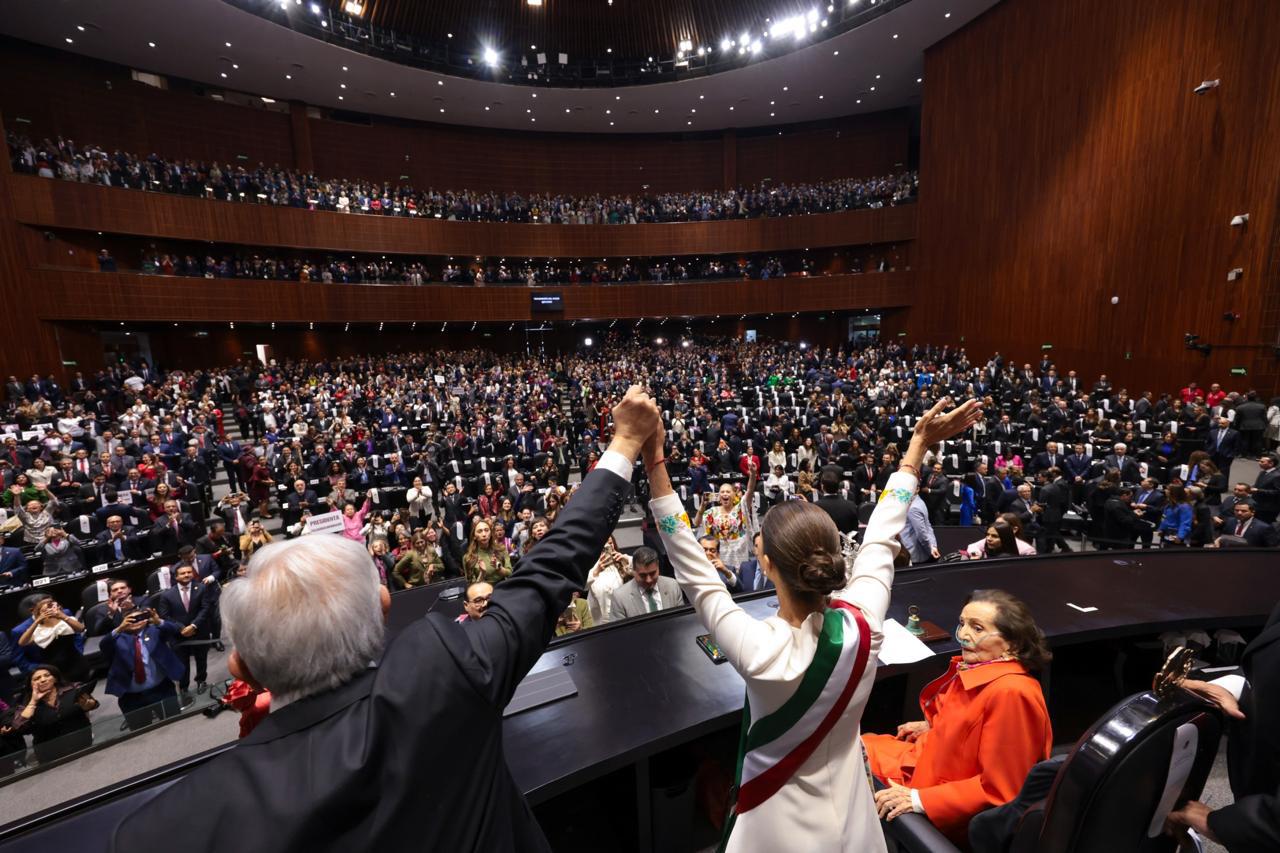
<point x="669" y="524"/>
<point x="903" y="495"/>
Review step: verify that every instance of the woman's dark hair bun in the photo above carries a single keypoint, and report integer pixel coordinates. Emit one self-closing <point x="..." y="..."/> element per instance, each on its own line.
<point x="822" y="572"/>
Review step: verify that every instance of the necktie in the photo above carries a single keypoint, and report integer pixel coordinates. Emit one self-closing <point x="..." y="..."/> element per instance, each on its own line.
<point x="186" y="598"/>
<point x="759" y="584"/>
<point x="650" y="602"/>
<point x="119" y="549"/>
<point x="139" y="668"/>
<point x="1241" y="531"/>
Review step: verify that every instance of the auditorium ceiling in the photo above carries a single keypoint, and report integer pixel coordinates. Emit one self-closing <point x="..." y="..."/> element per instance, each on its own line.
<point x="877" y="65"/>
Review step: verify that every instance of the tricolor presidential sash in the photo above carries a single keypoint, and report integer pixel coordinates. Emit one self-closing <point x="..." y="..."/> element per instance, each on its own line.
<point x="773" y="749"/>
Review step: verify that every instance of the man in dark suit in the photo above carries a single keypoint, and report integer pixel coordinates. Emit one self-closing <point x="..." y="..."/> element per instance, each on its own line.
<point x="173" y="529"/>
<point x="1050" y="458"/>
<point x="750" y="576"/>
<point x="934" y="492"/>
<point x="1223" y="444"/>
<point x="141" y="668"/>
<point x="1251" y="421"/>
<point x="1266" y="489"/>
<point x="1255" y="533"/>
<point x="298" y="501"/>
<point x="1226" y="509"/>
<point x="219" y="547"/>
<point x="116" y="543"/>
<point x="450" y="683"/>
<point x="1252" y="823"/>
<point x="1121" y="527"/>
<point x="1055" y="499"/>
<point x="844" y="513"/>
<point x="190" y="604"/>
<point x="1120" y="458"/>
<point x="13" y="567"/>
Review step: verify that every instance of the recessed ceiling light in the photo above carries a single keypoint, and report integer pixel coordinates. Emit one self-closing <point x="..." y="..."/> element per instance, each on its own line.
<point x="873" y="88"/>
<point x="919" y="79"/>
<point x="730" y="109"/>
<point x="527" y="110"/>
<point x="608" y="112"/>
<point x="835" y="53"/>
<point x="566" y="109"/>
<point x="344" y="68"/>
<point x="771" y="115"/>
<point x="228" y="44"/>
<point x="786" y="88"/>
<point x="533" y="47"/>
<point x="486" y="109"/>
<point x="288" y="76"/>
<point x="771" y="103"/>
<point x="617" y="97"/>
<point x="702" y="97"/>
<point x="224" y="74"/>
<point x="858" y="101"/>
<point x="655" y="112"/>
<point x="450" y="35"/>
<point x="69" y="41"/>
<point x="236" y="67"/>
<point x="608" y="50"/>
<point x="151" y="44"/>
<point x="439" y="82"/>
<point x="80" y="27"/>
<point x="535" y="94"/>
<point x="895" y="35"/>
<point x="393" y="94"/>
<point x="693" y="111"/>
<point x="533" y="118"/>
<point x="442" y="109"/>
<point x="610" y="124"/>
<point x="820" y="97"/>
<point x="342" y="85"/>
<point x="689" y="123"/>
<point x="339" y="97"/>
<point x="947" y="15"/>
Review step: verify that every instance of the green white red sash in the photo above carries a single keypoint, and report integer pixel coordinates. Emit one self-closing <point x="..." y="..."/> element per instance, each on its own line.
<point x="774" y="748"/>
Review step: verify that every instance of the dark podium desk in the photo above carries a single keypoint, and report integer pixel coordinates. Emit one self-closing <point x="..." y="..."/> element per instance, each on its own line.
<point x="644" y="686"/>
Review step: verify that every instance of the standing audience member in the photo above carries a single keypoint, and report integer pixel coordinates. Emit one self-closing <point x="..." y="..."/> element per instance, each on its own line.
<point x="54" y="711"/>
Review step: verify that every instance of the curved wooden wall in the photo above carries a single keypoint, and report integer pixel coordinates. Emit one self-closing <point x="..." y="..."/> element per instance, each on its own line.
<point x="1083" y="167"/>
<point x="68" y="295"/>
<point x="63" y="204"/>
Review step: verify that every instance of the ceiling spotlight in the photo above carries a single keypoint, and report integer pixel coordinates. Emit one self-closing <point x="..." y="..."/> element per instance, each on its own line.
<point x="151" y="44"/>
<point x="587" y="341"/>
<point x="442" y="109"/>
<point x="491" y="56"/>
<point x="351" y="7"/>
<point x="755" y="46"/>
<point x="288" y="76"/>
<point x="69" y="41"/>
<point x="895" y="35"/>
<point x="449" y="35"/>
<point x="339" y="97"/>
<point x="820" y="97"/>
<point x="655" y="112"/>
<point x="835" y="53"/>
<point x="342" y="85"/>
<point x="439" y="82"/>
<point x="315" y="8"/>
<point x="344" y="68"/>
<point x="610" y="124"/>
<point x="947" y="15"/>
<point x="393" y="94"/>
<point x="534" y="95"/>
<point x="919" y="79"/>
<point x="80" y="27"/>
<point x="535" y="2"/>
<point x="224" y="74"/>
<point x="615" y="97"/>
<point x="486" y="109"/>
<point x="725" y="44"/>
<point x="730" y="109"/>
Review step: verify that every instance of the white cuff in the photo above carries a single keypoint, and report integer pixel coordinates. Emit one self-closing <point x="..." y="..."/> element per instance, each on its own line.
<point x="915" y="802"/>
<point x="1233" y="684"/>
<point x="612" y="460"/>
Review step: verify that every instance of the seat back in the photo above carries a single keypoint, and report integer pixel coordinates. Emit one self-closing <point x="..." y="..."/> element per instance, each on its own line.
<point x="1114" y="781"/>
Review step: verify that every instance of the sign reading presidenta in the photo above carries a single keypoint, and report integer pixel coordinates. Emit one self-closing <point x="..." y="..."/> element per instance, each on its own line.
<point x="328" y="522"/>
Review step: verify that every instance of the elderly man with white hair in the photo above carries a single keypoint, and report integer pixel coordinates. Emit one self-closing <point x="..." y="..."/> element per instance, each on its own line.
<point x="373" y="748"/>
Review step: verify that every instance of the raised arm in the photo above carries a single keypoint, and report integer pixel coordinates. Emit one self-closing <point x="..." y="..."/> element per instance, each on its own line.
<point x="869" y="587"/>
<point x="523" y="612"/>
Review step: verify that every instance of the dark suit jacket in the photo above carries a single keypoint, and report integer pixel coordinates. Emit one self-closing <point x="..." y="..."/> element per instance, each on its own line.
<point x="13" y="561"/>
<point x="747" y="576"/>
<point x="169" y="605"/>
<point x="312" y="775"/>
<point x="117" y="653"/>
<point x="844" y="513"/>
<point x="1259" y="535"/>
<point x="1252" y="823"/>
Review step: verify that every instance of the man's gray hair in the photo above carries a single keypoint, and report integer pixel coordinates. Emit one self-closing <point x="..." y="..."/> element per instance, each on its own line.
<point x="308" y="615"/>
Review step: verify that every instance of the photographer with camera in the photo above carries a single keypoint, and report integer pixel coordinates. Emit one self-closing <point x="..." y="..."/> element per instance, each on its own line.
<point x="141" y="667"/>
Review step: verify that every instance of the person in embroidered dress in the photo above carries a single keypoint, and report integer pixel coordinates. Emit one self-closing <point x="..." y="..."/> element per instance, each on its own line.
<point x="802" y="783"/>
<point x="731" y="520"/>
<point x="985" y="722"/>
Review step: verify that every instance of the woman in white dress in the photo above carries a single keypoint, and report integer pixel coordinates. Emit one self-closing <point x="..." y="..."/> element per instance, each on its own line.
<point x="730" y="520"/>
<point x="611" y="571"/>
<point x="802" y="781"/>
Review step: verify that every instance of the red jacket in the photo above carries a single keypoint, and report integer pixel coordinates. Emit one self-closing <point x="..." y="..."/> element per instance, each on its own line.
<point x="988" y="726"/>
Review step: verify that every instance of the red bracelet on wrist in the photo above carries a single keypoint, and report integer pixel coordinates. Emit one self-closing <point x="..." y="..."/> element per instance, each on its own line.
<point x="662" y="461"/>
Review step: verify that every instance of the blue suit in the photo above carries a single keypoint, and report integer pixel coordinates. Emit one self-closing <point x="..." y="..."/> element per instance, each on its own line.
<point x="747" y="573"/>
<point x="968" y="506"/>
<point x="13" y="561"/>
<point x="117" y="652"/>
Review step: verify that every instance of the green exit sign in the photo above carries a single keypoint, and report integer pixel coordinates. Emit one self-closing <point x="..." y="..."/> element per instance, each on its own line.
<point x="1046" y="346"/>
<point x="1239" y="371"/>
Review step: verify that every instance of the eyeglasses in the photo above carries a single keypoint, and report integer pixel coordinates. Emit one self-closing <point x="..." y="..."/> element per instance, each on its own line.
<point x="479" y="600"/>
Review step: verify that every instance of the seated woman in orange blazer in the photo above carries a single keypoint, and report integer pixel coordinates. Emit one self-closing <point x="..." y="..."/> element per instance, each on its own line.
<point x="985" y="723"/>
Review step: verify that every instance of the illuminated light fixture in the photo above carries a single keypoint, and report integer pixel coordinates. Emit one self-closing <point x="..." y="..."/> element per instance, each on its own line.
<point x="393" y="94"/>
<point x="858" y="101"/>
<point x="820" y="97"/>
<point x="80" y="27"/>
<point x="228" y="44"/>
<point x="232" y="325"/>
<point x="224" y="74"/>
<point x="587" y="341"/>
<point x="379" y="327"/>
<point x="873" y="88"/>
<point x="755" y="46"/>
<point x="311" y="326"/>
<point x="919" y="79"/>
<point x="273" y="325"/>
<point x="608" y="50"/>
<point x="486" y="109"/>
<point x="771" y="103"/>
<point x="324" y="24"/>
<point x="702" y="51"/>
<point x="351" y="7"/>
<point x="702" y="97"/>
<point x="151" y="44"/>
<point x="877" y="76"/>
<point x="655" y="112"/>
<point x="342" y="85"/>
<point x="449" y="35"/>
<point x="69" y="41"/>
<point x="347" y="327"/>
<point x="725" y="44"/>
<point x="895" y="35"/>
<point x="532" y="119"/>
<point x="315" y="8"/>
<point x="835" y="53"/>
<point x="535" y="2"/>
<point x="267" y="100"/>
<point x="744" y="39"/>
<point x="534" y="95"/>
<point x="685" y="45"/>
<point x="340" y="98"/>
<point x="693" y="110"/>
<point x="771" y="115"/>
<point x="236" y="67"/>
<point x="610" y="124"/>
<point x="615" y="97"/>
<point x="730" y="109"/>
<point x="608" y="112"/>
<point x="689" y="123"/>
<point x="491" y="56"/>
<point x="288" y="76"/>
<point x="442" y="109"/>
<point x="344" y="68"/>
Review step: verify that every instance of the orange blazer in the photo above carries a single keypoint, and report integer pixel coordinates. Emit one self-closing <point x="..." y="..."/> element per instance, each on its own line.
<point x="988" y="727"/>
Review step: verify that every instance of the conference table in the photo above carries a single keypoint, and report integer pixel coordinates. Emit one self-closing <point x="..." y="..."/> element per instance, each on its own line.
<point x="644" y="686"/>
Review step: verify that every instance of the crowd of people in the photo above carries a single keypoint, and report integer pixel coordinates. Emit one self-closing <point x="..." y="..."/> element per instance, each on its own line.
<point x="457" y="464"/>
<point x="67" y="160"/>
<point x="331" y="270"/>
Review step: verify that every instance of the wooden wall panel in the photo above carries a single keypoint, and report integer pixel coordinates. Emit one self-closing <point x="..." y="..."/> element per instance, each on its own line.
<point x="70" y="295"/>
<point x="62" y="204"/>
<point x="861" y="147"/>
<point x="1065" y="160"/>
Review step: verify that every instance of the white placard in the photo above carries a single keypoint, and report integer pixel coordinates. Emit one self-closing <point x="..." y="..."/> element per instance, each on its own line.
<point x="101" y="590"/>
<point x="328" y="522"/>
<point x="1183" y="757"/>
<point x="41" y="581"/>
<point x="84" y="524"/>
<point x="901" y="646"/>
<point x="166" y="577"/>
<point x="101" y="568"/>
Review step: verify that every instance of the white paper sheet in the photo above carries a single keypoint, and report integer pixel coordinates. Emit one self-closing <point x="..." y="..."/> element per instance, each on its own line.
<point x="1182" y="758"/>
<point x="901" y="646"/>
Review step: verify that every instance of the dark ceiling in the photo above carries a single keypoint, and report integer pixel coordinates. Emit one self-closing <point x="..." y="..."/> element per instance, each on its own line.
<point x="632" y="28"/>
